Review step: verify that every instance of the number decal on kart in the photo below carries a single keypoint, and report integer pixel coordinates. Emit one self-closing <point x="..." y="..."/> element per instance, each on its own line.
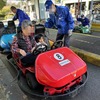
<point x="58" y="56"/>
<point x="61" y="59"/>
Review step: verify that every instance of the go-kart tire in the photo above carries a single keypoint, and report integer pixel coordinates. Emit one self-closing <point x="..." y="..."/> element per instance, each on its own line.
<point x="80" y="31"/>
<point x="74" y="30"/>
<point x="31" y="80"/>
<point x="84" y="78"/>
<point x="90" y="32"/>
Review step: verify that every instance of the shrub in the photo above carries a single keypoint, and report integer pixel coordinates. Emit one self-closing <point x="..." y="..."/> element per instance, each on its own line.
<point x="8" y="16"/>
<point x="5" y="10"/>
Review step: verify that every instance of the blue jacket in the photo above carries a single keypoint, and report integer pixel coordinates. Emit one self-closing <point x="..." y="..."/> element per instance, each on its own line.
<point x="21" y="15"/>
<point x="62" y="20"/>
<point x="84" y="21"/>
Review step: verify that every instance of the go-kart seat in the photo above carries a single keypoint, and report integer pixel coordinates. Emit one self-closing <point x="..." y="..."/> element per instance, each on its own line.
<point x="1" y="25"/>
<point x="39" y="28"/>
<point x="33" y="22"/>
<point x="11" y="27"/>
<point x="2" y="28"/>
<point x="11" y="24"/>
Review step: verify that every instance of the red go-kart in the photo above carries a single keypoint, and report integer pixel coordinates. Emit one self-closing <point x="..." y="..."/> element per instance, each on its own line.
<point x="57" y="74"/>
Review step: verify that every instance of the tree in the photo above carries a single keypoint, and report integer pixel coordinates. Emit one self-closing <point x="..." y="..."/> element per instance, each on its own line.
<point x="2" y="4"/>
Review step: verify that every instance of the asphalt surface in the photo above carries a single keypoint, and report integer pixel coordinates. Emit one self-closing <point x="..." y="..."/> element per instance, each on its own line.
<point x="9" y="89"/>
<point x="96" y="33"/>
<point x="90" y="43"/>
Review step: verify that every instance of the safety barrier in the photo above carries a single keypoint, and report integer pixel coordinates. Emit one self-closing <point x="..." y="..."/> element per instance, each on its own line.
<point x="95" y="27"/>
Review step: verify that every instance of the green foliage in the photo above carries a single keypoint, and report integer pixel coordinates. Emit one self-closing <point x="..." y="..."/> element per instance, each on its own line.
<point x="8" y="16"/>
<point x="2" y="4"/>
<point x="4" y="11"/>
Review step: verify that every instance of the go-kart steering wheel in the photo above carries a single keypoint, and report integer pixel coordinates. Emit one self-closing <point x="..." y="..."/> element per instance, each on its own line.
<point x="39" y="49"/>
<point x="57" y="44"/>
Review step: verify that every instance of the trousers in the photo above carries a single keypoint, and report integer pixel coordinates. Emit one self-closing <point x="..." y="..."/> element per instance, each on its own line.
<point x="28" y="60"/>
<point x="66" y="38"/>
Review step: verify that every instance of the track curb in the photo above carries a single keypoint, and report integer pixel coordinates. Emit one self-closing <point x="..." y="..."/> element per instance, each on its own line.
<point x="87" y="56"/>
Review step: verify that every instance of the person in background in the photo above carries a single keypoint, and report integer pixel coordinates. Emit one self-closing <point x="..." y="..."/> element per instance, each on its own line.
<point x="85" y="21"/>
<point x="19" y="14"/>
<point x="60" y="17"/>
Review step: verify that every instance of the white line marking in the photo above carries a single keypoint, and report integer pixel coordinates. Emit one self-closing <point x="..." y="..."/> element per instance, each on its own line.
<point x="84" y="41"/>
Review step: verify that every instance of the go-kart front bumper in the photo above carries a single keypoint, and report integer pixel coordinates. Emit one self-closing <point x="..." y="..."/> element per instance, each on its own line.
<point x="39" y="95"/>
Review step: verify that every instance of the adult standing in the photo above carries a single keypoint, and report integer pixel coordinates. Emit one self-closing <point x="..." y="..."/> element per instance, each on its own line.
<point x="19" y="14"/>
<point x="62" y="19"/>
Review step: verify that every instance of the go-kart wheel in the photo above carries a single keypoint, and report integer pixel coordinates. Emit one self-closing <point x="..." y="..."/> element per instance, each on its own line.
<point x="74" y="30"/>
<point x="39" y="49"/>
<point x="31" y="80"/>
<point x="84" y="77"/>
<point x="80" y="31"/>
<point x="57" y="44"/>
<point x="90" y="32"/>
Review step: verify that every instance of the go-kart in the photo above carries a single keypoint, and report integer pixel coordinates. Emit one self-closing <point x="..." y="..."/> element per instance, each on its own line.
<point x="58" y="73"/>
<point x="6" y="36"/>
<point x="82" y="29"/>
<point x="5" y="42"/>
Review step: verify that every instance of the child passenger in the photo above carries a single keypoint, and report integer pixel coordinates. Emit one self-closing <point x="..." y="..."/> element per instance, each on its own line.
<point x="39" y="40"/>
